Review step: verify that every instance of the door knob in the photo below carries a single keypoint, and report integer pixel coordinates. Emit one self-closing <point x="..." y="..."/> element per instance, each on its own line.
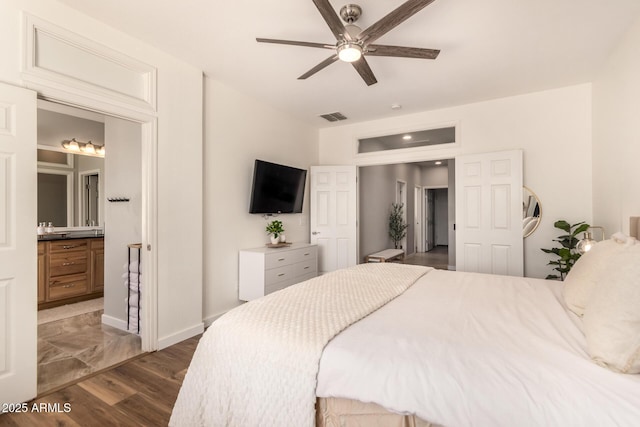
<point x="315" y="232"/>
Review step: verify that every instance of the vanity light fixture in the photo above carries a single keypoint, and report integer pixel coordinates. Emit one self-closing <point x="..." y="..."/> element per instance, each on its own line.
<point x="85" y="147"/>
<point x="89" y="148"/>
<point x="71" y="145"/>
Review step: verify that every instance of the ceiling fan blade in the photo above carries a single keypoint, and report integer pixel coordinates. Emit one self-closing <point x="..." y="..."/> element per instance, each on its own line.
<point x="362" y="67"/>
<point x="330" y="60"/>
<point x="401" y="51"/>
<point x="393" y="19"/>
<point x="296" y="43"/>
<point x="332" y="19"/>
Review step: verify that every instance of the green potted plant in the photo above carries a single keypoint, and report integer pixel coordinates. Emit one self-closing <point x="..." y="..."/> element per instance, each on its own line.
<point x="274" y="230"/>
<point x="567" y="254"/>
<point x="397" y="226"/>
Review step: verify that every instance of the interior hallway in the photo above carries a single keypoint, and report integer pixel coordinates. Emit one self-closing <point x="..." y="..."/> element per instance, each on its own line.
<point x="438" y="258"/>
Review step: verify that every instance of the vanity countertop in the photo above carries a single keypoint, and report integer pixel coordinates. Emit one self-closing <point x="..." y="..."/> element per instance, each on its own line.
<point x="69" y="235"/>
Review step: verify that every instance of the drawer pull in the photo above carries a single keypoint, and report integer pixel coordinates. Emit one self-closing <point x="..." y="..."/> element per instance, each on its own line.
<point x="307" y="254"/>
<point x="69" y="246"/>
<point x="69" y="286"/>
<point x="281" y="259"/>
<point x="68" y="263"/>
<point x="281" y="274"/>
<point x="307" y="267"/>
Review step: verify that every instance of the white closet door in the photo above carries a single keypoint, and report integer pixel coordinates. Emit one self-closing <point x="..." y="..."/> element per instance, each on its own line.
<point x="489" y="213"/>
<point x="18" y="245"/>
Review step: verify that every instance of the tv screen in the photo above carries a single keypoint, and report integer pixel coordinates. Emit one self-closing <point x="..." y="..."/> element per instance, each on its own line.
<point x="277" y="188"/>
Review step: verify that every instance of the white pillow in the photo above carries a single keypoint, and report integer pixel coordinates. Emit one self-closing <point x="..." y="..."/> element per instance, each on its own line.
<point x="612" y="317"/>
<point x="586" y="273"/>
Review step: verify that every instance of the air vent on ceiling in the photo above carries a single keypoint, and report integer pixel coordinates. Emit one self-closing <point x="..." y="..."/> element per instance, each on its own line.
<point x="334" y="117"/>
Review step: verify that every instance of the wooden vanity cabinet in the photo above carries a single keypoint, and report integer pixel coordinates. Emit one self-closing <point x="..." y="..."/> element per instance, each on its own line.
<point x="42" y="272"/>
<point x="70" y="271"/>
<point x="97" y="265"/>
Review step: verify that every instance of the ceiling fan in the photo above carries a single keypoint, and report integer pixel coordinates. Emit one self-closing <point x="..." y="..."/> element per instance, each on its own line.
<point x="353" y="43"/>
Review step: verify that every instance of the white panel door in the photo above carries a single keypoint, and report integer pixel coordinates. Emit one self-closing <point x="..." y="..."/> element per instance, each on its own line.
<point x="489" y="213"/>
<point x="18" y="245"/>
<point x="333" y="216"/>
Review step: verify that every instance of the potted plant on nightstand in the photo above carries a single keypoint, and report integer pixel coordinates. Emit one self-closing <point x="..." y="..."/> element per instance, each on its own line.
<point x="274" y="230"/>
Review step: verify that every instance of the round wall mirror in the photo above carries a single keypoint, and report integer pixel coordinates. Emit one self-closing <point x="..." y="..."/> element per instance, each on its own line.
<point x="531" y="211"/>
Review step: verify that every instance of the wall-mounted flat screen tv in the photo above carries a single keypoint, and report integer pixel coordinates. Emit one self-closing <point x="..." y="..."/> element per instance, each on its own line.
<point x="277" y="188"/>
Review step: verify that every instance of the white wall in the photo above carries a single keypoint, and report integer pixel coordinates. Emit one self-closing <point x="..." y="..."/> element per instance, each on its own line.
<point x="123" y="220"/>
<point x="552" y="127"/>
<point x="179" y="154"/>
<point x="240" y="129"/>
<point x="616" y="136"/>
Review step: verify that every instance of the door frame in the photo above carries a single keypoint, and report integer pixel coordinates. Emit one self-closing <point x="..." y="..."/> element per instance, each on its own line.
<point x="401" y="197"/>
<point x="149" y="196"/>
<point x="424" y="198"/>
<point x="81" y="195"/>
<point x="418" y="218"/>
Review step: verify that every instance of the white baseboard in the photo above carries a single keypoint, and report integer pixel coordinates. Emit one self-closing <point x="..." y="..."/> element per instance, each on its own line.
<point x="115" y="322"/>
<point x="209" y="320"/>
<point x="182" y="335"/>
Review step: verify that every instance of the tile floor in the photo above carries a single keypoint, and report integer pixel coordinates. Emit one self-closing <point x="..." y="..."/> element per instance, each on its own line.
<point x="438" y="258"/>
<point x="74" y="347"/>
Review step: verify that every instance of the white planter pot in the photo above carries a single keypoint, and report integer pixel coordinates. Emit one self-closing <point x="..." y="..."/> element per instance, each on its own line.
<point x="275" y="239"/>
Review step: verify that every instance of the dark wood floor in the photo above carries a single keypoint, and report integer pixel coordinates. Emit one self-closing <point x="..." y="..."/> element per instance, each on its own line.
<point x="140" y="392"/>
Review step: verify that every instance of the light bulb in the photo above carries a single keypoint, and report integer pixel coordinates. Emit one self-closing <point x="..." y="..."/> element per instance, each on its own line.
<point x="586" y="244"/>
<point x="89" y="148"/>
<point x="349" y="52"/>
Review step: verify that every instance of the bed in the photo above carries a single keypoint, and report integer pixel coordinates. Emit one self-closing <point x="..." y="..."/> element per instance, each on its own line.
<point x="387" y="344"/>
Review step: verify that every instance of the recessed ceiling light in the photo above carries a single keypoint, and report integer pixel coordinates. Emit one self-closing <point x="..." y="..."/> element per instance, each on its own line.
<point x="406" y="137"/>
<point x="438" y="162"/>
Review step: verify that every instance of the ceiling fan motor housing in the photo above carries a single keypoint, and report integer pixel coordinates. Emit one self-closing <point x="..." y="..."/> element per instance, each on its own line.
<point x="350" y="13"/>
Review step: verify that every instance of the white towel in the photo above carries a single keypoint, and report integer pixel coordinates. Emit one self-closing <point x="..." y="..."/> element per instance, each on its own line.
<point x="132" y="301"/>
<point x="132" y="276"/>
<point x="133" y="286"/>
<point x="133" y="267"/>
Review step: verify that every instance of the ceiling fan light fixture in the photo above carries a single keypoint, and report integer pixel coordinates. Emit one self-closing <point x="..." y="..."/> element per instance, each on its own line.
<point x="349" y="52"/>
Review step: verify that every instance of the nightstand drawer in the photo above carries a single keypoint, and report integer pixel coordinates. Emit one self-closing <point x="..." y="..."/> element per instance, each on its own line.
<point x="61" y="264"/>
<point x="68" y="286"/>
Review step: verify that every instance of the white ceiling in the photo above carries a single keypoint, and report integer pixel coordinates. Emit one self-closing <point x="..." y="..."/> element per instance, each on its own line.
<point x="489" y="49"/>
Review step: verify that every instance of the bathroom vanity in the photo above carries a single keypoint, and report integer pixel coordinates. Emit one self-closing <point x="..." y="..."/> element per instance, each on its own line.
<point x="70" y="268"/>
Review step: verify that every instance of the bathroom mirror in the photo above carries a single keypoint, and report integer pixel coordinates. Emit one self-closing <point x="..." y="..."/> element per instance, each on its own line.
<point x="70" y="188"/>
<point x="531" y="212"/>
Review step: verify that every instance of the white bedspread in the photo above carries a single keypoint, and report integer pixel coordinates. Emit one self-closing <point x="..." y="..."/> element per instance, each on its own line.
<point x="257" y="365"/>
<point x="462" y="349"/>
